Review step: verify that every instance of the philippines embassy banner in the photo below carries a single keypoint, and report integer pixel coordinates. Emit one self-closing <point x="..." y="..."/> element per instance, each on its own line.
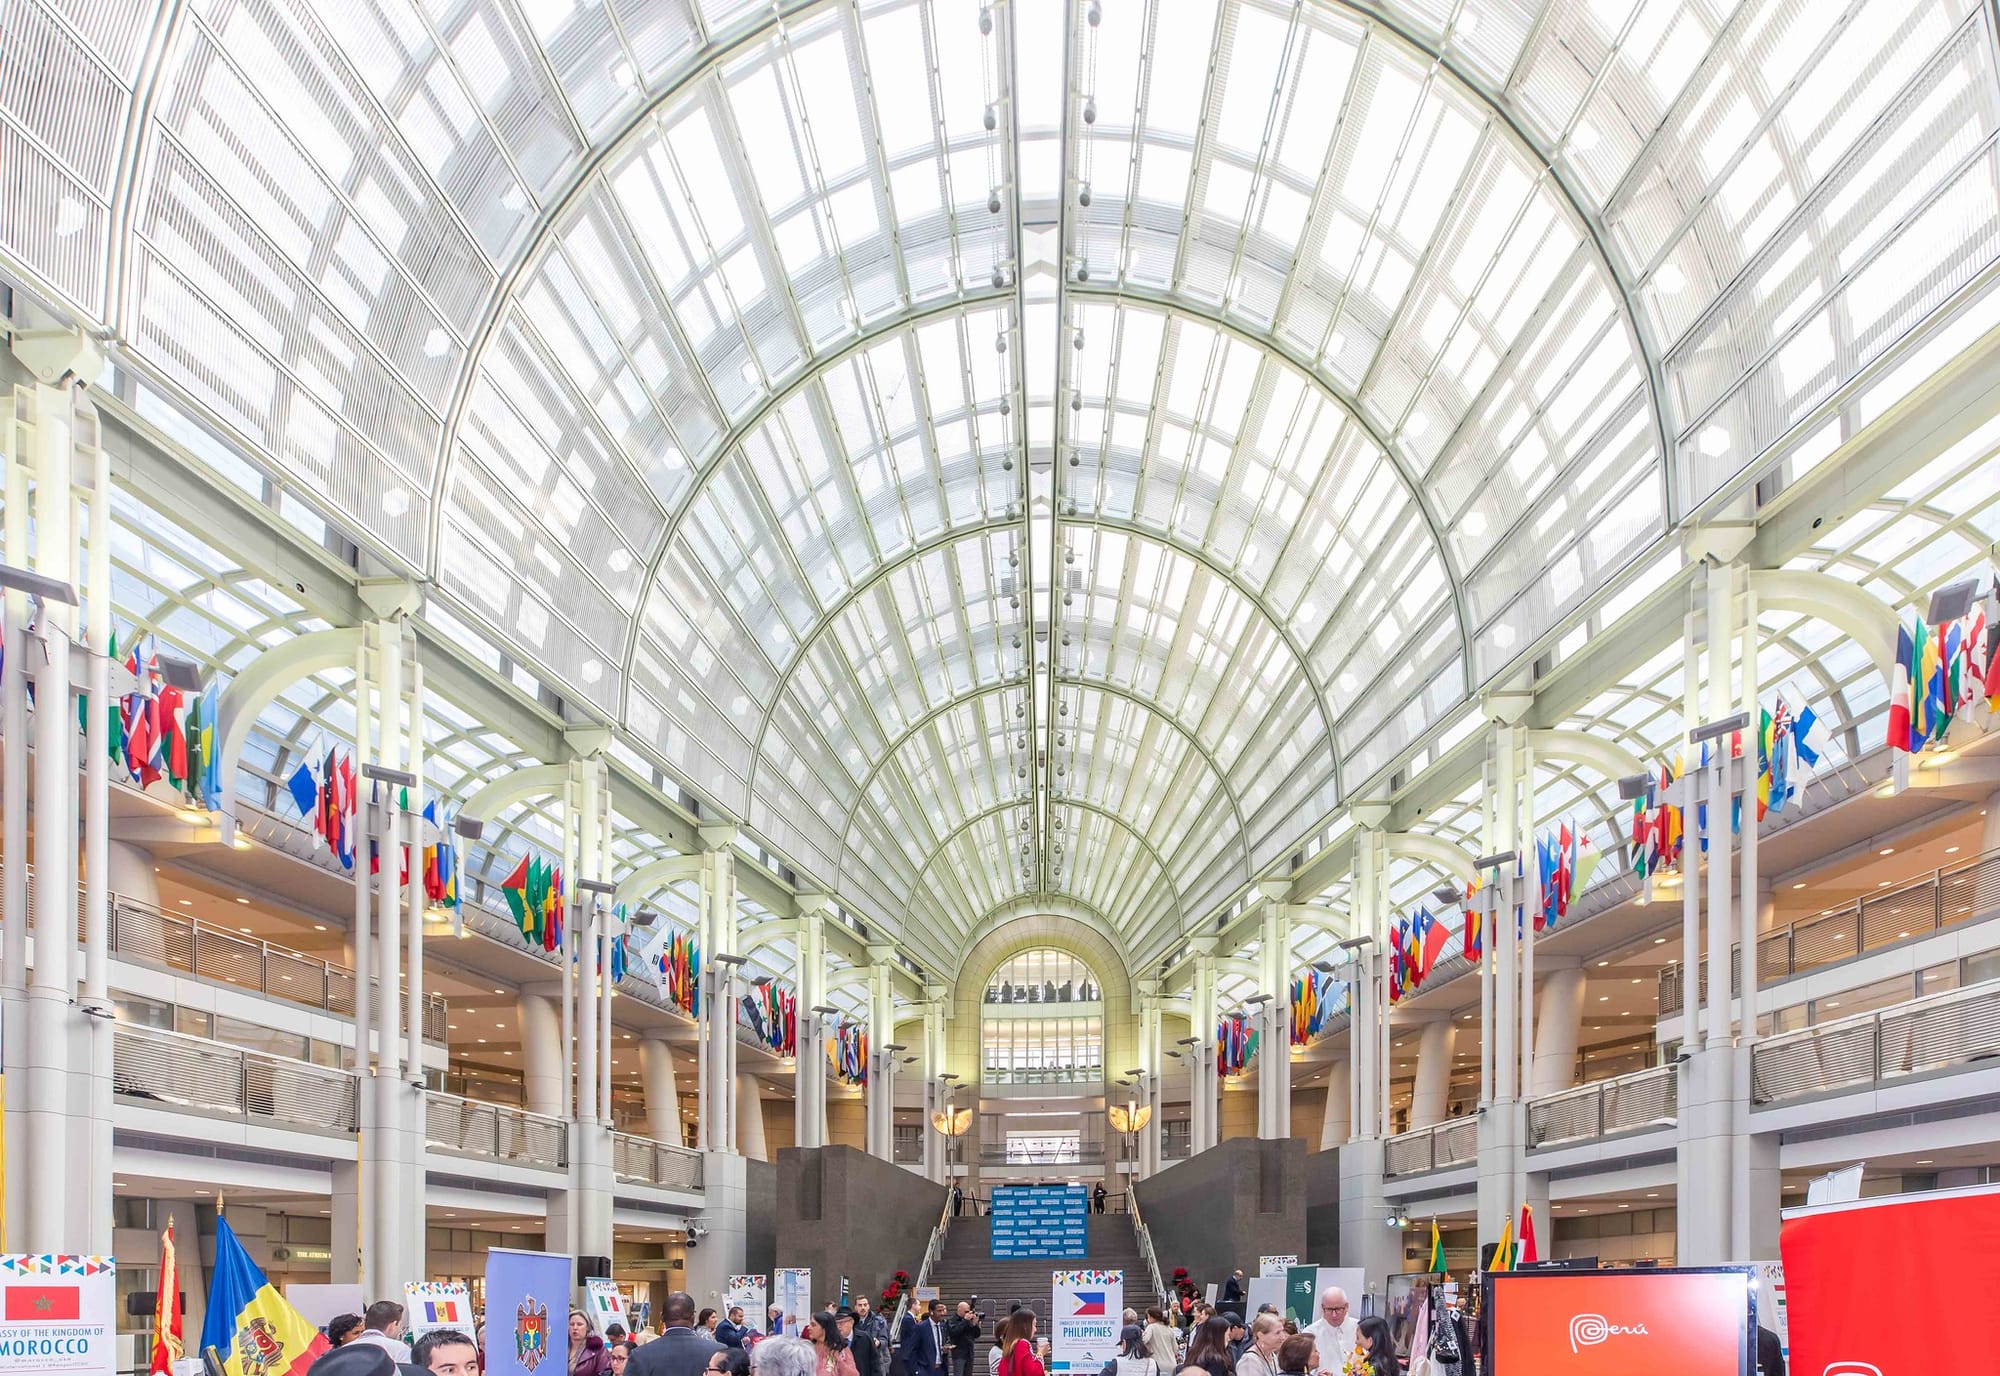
<point x="58" y="1314"/>
<point x="527" y="1312"/>
<point x="1087" y="1311"/>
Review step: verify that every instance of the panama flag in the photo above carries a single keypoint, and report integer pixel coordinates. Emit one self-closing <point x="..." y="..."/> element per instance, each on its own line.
<point x="1089" y="1305"/>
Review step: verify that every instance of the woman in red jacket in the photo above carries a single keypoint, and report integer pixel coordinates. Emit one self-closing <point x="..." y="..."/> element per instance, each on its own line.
<point x="1017" y="1345"/>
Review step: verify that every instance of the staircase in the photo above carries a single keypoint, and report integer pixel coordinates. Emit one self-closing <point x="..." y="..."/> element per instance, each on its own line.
<point x="967" y="1268"/>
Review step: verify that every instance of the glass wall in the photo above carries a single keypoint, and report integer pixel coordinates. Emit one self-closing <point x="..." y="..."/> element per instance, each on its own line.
<point x="1029" y="1051"/>
<point x="1044" y="977"/>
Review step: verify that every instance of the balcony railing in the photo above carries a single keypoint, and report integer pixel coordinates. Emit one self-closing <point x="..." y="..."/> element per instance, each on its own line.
<point x="654" y="1163"/>
<point x="1645" y="1098"/>
<point x="1964" y="893"/>
<point x="147" y="935"/>
<point x="1950" y="1031"/>
<point x="467" y="1127"/>
<point x="1452" y="1143"/>
<point x="159" y="1069"/>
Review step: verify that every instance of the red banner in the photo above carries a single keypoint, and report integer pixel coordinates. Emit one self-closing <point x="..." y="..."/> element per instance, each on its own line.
<point x="1632" y="1323"/>
<point x="1847" y="1267"/>
<point x="42" y="1303"/>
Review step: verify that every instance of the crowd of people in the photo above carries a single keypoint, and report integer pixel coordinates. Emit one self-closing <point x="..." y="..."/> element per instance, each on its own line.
<point x="932" y="1340"/>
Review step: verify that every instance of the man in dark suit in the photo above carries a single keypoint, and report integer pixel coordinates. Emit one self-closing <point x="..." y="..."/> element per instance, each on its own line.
<point x="731" y="1330"/>
<point x="867" y="1357"/>
<point x="921" y="1343"/>
<point x="680" y="1350"/>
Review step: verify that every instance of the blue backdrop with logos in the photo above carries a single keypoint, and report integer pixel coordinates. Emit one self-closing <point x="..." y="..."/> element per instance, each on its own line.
<point x="1040" y="1221"/>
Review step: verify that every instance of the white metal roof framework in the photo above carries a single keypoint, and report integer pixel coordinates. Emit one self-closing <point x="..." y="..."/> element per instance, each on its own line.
<point x="773" y="376"/>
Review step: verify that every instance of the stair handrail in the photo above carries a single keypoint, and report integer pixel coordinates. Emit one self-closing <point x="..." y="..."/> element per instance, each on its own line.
<point x="933" y="1251"/>
<point x="1145" y="1237"/>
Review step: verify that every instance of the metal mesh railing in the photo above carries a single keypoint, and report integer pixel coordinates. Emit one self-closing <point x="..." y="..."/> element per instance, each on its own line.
<point x="191" y="1074"/>
<point x="1945" y="1032"/>
<point x="1644" y="1098"/>
<point x="143" y="933"/>
<point x="1965" y="893"/>
<point x="471" y="1128"/>
<point x="655" y="1163"/>
<point x="1451" y="1143"/>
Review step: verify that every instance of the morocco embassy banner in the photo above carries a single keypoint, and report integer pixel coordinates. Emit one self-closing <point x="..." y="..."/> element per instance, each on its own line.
<point x="58" y="1314"/>
<point x="1847" y="1266"/>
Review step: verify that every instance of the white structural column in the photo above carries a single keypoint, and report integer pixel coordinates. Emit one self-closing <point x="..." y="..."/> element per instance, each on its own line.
<point x="749" y="1119"/>
<point x="1274" y="971"/>
<point x="1431" y="1093"/>
<point x="392" y="1236"/>
<point x="589" y="932"/>
<point x="656" y="1075"/>
<point x="937" y="1091"/>
<point x="544" y="1058"/>
<point x="1503" y="1123"/>
<point x="1559" y="1026"/>
<point x="95" y="1003"/>
<point x="1335" y="1127"/>
<point x="717" y="1029"/>
<point x="881" y="1130"/>
<point x="1364" y="1207"/>
<point x="14" y="830"/>
<point x="1202" y="1080"/>
<point x="809" y="1068"/>
<point x="1152" y="1057"/>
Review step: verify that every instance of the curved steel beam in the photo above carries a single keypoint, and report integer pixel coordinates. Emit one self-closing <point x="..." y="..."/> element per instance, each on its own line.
<point x="936" y="852"/>
<point x="270" y="673"/>
<point x="1434" y="851"/>
<point x="1845" y="606"/>
<point x="992" y="689"/>
<point x="650" y="876"/>
<point x="1607" y="757"/>
<point x="515" y="786"/>
<point x="1031" y="906"/>
<point x="994" y="527"/>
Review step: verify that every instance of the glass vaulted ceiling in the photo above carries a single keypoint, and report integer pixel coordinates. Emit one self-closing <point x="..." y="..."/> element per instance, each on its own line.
<point x="1049" y="448"/>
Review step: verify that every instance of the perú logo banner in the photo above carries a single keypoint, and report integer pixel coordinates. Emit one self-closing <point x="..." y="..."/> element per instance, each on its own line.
<point x="1695" y="1322"/>
<point x="1884" y="1254"/>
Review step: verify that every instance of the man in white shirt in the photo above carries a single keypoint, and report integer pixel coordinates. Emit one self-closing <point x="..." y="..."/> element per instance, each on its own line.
<point x="1334" y="1332"/>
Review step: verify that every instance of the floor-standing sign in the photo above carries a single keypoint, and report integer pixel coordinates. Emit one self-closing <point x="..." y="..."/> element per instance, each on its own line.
<point x="1087" y="1310"/>
<point x="794" y="1298"/>
<point x="607" y="1306"/>
<point x="429" y="1304"/>
<point x="58" y="1314"/>
<point x="749" y="1292"/>
<point x="1270" y="1267"/>
<point x="527" y="1312"/>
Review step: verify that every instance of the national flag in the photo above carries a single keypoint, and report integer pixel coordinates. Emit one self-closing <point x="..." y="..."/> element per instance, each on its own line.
<point x="1475" y="923"/>
<point x="1901" y="718"/>
<point x="305" y="791"/>
<point x="44" y="1303"/>
<point x="1526" y="1254"/>
<point x="1971" y="685"/>
<point x="515" y="889"/>
<point x="1431" y="945"/>
<point x="173" y="751"/>
<point x="167" y="1340"/>
<point x="252" y="1328"/>
<point x="1089" y="1304"/>
<point x="1503" y="1255"/>
<point x="446" y="1312"/>
<point x="1436" y="1264"/>
<point x="1585" y="863"/>
<point x="209" y="777"/>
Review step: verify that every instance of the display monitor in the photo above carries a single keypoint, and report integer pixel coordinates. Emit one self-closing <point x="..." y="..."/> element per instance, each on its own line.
<point x="1665" y="1322"/>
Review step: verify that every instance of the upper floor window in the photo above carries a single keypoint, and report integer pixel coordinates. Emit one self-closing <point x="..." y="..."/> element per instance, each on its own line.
<point x="1044" y="976"/>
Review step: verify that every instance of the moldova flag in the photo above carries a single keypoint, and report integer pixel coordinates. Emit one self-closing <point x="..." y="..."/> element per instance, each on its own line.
<point x="252" y="1329"/>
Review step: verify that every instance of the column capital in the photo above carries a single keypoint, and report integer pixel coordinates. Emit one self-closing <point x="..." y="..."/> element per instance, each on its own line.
<point x="390" y="599"/>
<point x="1202" y="946"/>
<point x="1147" y="989"/>
<point x="717" y="836"/>
<point x="587" y="742"/>
<point x="881" y="955"/>
<point x="1274" y="891"/>
<point x="1371" y="815"/>
<point x="812" y="904"/>
<point x="1507" y="708"/>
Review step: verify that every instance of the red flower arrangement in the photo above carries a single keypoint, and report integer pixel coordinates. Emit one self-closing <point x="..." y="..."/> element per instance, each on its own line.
<point x="898" y="1283"/>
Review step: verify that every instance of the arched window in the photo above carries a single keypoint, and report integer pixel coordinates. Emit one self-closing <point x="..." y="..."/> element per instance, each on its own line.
<point x="1042" y="1021"/>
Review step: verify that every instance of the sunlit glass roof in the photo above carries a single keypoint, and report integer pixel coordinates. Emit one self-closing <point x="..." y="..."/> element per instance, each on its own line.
<point x="916" y="424"/>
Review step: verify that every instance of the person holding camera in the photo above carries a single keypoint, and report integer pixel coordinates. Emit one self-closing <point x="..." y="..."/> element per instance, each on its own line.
<point x="961" y="1334"/>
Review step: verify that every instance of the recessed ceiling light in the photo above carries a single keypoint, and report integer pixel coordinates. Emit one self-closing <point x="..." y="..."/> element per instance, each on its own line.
<point x="1604" y="998"/>
<point x="1653" y="1196"/>
<point x="241" y="899"/>
<point x="1602" y="963"/>
<point x="1886" y="850"/>
<point x="1951" y="850"/>
<point x="319" y="926"/>
<point x="1925" y="1161"/>
<point x="482" y="1041"/>
<point x="1799" y="885"/>
<point x="1659" y="941"/>
<point x="185" y="902"/>
<point x="244" y="930"/>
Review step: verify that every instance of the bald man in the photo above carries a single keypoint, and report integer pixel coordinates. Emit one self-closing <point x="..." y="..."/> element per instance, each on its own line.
<point x="1334" y="1332"/>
